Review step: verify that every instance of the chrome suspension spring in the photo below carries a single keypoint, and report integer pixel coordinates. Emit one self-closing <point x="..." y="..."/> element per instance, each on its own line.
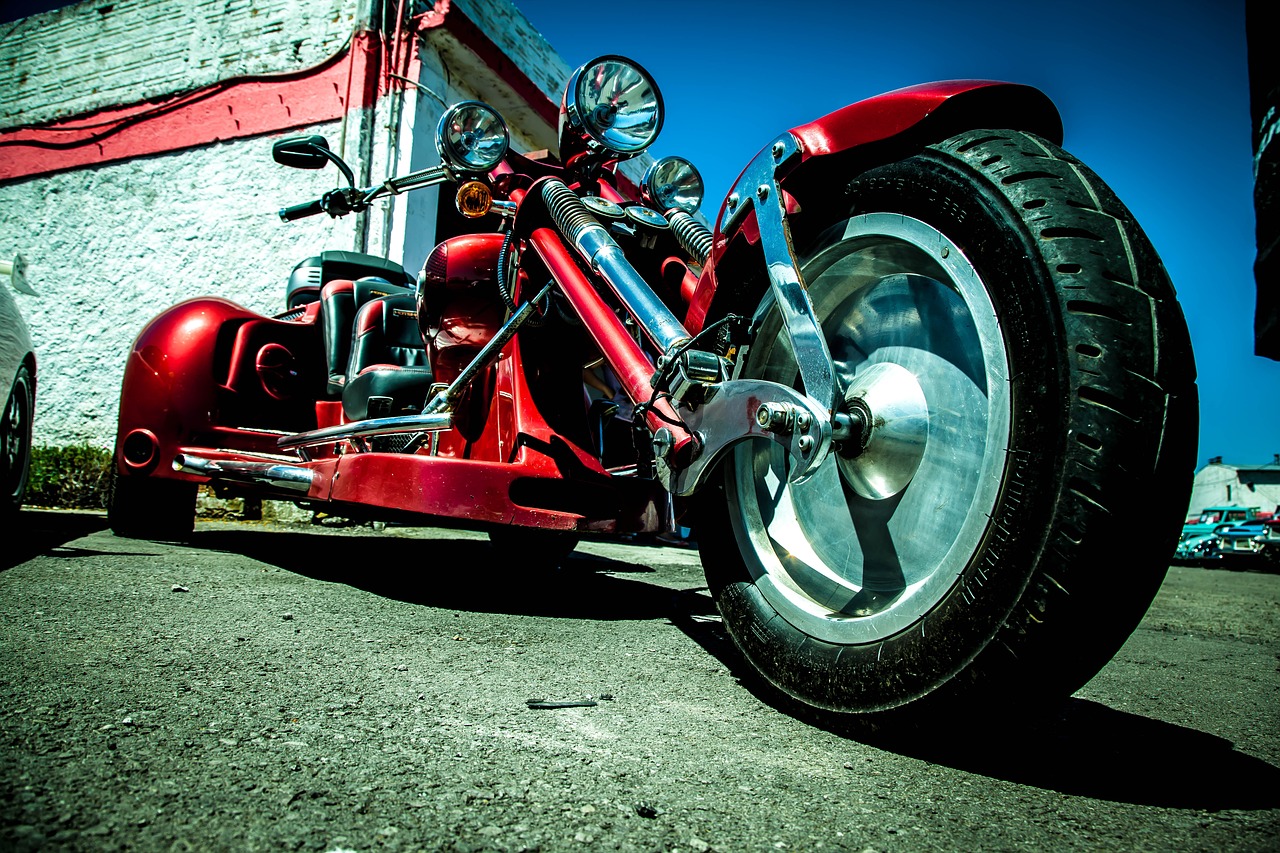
<point x="694" y="237"/>
<point x="570" y="214"/>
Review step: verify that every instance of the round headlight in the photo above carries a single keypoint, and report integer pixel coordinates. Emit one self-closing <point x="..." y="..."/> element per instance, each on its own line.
<point x="615" y="103"/>
<point x="672" y="182"/>
<point x="472" y="137"/>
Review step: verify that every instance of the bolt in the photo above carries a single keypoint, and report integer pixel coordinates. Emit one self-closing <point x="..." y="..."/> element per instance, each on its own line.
<point x="762" y="192"/>
<point x="663" y="441"/>
<point x="733" y="201"/>
<point x="778" y="149"/>
<point x="804" y="444"/>
<point x="772" y="416"/>
<point x="945" y="251"/>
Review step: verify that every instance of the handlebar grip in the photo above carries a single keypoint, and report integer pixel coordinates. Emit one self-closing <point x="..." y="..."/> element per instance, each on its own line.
<point x="298" y="211"/>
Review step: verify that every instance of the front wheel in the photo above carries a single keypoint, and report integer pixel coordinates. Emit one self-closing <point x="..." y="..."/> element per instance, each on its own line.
<point x="1029" y="380"/>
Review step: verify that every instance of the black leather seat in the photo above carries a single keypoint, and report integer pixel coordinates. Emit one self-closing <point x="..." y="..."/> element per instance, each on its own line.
<point x="340" y="300"/>
<point x="388" y="372"/>
<point x="311" y="274"/>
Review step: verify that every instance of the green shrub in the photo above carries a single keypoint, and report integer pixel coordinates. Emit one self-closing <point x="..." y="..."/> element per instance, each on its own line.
<point x="73" y="477"/>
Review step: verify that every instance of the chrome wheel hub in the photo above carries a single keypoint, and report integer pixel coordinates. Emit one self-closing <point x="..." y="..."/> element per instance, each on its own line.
<point x="881" y="532"/>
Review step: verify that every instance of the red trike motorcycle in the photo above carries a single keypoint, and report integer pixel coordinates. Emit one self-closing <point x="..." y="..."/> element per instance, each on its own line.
<point x="902" y="390"/>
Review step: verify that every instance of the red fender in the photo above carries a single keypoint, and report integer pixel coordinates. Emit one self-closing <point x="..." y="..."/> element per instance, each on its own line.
<point x="169" y="392"/>
<point x="912" y="117"/>
<point x="939" y="109"/>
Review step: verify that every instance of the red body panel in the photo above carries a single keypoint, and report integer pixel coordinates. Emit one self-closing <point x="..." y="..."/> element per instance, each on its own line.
<point x="172" y="388"/>
<point x="195" y="385"/>
<point x="893" y="113"/>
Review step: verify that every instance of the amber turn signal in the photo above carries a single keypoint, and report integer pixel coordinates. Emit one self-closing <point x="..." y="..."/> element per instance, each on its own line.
<point x="474" y="199"/>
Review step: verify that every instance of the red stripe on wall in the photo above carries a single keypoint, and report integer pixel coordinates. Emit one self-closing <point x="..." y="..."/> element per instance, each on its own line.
<point x="231" y="109"/>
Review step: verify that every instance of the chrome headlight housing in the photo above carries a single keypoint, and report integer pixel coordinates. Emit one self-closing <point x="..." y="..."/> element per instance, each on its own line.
<point x="672" y="182"/>
<point x="472" y="138"/>
<point x="610" y="104"/>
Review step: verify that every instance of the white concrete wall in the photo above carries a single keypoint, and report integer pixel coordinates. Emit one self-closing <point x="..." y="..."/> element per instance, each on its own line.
<point x="108" y="247"/>
<point x="1227" y="485"/>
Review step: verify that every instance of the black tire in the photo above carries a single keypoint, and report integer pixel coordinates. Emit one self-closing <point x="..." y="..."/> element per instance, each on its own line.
<point x="15" y="441"/>
<point x="141" y="507"/>
<point x="518" y="547"/>
<point x="996" y="301"/>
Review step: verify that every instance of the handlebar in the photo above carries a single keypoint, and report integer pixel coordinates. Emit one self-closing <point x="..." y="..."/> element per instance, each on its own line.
<point x="299" y="211"/>
<point x="340" y="202"/>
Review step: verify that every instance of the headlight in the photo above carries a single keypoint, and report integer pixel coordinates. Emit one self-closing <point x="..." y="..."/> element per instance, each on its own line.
<point x="472" y="137"/>
<point x="672" y="182"/>
<point x="614" y="103"/>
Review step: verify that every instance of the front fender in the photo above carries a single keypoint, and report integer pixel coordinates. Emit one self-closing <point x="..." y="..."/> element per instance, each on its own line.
<point x="873" y="132"/>
<point x="169" y="390"/>
<point x="931" y="112"/>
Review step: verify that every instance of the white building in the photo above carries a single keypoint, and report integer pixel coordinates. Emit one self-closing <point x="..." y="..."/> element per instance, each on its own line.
<point x="135" y="155"/>
<point x="1221" y="484"/>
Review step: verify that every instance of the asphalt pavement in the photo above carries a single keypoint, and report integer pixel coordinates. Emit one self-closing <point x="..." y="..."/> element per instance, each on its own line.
<point x="349" y="689"/>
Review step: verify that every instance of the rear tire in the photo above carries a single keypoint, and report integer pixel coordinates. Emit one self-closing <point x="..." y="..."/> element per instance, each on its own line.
<point x="536" y="547"/>
<point x="151" y="508"/>
<point x="1000" y="311"/>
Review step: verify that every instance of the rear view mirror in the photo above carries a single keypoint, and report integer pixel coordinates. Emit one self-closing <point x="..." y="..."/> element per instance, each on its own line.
<point x="302" y="152"/>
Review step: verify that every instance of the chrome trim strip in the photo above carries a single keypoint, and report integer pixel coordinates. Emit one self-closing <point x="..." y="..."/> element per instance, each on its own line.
<point x="364" y="429"/>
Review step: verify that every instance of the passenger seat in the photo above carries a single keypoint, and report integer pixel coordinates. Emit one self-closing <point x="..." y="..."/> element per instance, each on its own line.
<point x="389" y="372"/>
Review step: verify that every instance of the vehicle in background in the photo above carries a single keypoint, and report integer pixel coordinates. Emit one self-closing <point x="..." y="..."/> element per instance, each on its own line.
<point x="18" y="372"/>
<point x="1242" y="540"/>
<point x="1233" y="532"/>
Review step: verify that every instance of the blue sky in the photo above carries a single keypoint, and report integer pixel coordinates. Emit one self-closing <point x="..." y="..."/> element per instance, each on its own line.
<point x="1154" y="97"/>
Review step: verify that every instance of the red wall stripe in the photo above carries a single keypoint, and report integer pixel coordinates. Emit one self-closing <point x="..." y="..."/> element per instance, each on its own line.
<point x="235" y="109"/>
<point x="231" y="109"/>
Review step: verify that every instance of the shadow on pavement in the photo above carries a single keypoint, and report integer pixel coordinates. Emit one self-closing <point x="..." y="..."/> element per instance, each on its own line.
<point x="1090" y="750"/>
<point x="1083" y="749"/>
<point x="458" y="574"/>
<point x="35" y="531"/>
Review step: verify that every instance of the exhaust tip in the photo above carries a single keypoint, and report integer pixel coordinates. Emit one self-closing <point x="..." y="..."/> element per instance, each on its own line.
<point x="140" y="450"/>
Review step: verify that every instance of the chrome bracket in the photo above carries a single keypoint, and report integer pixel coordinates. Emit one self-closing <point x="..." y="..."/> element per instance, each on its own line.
<point x="757" y="188"/>
<point x="745" y="408"/>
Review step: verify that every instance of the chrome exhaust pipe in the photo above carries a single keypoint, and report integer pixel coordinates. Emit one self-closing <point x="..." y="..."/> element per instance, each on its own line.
<point x="289" y="478"/>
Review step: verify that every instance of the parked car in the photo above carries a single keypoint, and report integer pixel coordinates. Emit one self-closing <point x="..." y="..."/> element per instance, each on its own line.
<point x="1198" y="548"/>
<point x="1199" y="540"/>
<point x="1243" y="540"/>
<point x="1271" y="541"/>
<point x="18" y="372"/>
<point x="1213" y="517"/>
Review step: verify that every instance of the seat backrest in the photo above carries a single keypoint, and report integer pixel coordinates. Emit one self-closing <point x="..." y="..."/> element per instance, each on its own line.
<point x="340" y="301"/>
<point x="389" y="372"/>
<point x="386" y="332"/>
<point x="311" y="274"/>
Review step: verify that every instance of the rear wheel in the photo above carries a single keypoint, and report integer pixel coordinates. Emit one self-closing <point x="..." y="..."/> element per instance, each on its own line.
<point x="1028" y="374"/>
<point x="150" y="507"/>
<point x="518" y="547"/>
